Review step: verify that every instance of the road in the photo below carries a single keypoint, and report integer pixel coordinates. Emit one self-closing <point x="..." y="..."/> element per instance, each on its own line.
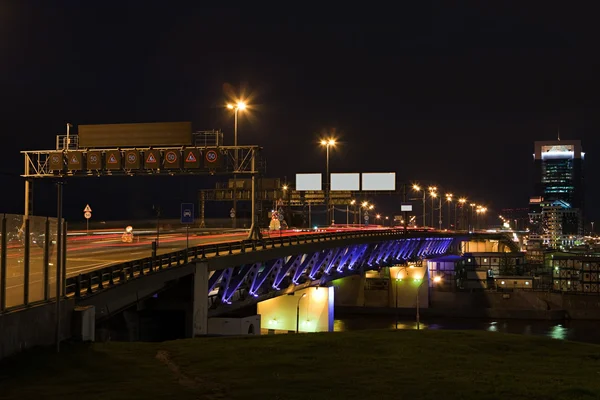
<point x="87" y="253"/>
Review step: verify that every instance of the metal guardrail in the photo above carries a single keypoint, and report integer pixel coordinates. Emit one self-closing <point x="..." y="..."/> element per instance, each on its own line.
<point x="94" y="281"/>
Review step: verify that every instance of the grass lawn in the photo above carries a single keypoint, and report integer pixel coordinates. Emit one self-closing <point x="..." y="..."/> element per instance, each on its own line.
<point x="351" y="365"/>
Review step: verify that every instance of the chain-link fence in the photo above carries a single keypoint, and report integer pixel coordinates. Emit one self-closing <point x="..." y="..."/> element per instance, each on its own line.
<point x="27" y="260"/>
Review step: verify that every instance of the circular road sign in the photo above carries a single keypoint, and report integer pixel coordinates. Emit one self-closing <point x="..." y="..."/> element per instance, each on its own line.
<point x="280" y="216"/>
<point x="131" y="157"/>
<point x="211" y="156"/>
<point x="87" y="215"/>
<point x="366" y="217"/>
<point x="171" y="157"/>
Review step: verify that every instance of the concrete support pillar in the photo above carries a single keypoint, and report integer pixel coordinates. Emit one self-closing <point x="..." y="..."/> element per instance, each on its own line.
<point x="200" y="300"/>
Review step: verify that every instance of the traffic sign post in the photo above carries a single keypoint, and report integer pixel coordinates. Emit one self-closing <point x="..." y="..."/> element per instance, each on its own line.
<point x="87" y="214"/>
<point x="187" y="218"/>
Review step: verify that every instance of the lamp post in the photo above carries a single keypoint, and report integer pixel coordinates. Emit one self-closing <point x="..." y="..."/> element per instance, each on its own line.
<point x="327" y="143"/>
<point x="398" y="280"/>
<point x="417" y="188"/>
<point x="433" y="194"/>
<point x="462" y="202"/>
<point x="240" y="105"/>
<point x="449" y="200"/>
<point x="298" y="313"/>
<point x="352" y="203"/>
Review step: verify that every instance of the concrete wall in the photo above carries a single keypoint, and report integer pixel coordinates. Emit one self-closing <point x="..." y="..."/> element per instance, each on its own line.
<point x="349" y="291"/>
<point x="315" y="311"/>
<point x="234" y="326"/>
<point x="35" y="326"/>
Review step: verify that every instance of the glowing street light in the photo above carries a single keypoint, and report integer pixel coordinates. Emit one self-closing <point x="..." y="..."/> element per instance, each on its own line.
<point x="240" y="105"/>
<point x="328" y="143"/>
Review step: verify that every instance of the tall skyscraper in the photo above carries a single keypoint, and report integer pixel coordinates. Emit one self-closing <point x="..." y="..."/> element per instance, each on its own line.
<point x="557" y="205"/>
<point x="559" y="172"/>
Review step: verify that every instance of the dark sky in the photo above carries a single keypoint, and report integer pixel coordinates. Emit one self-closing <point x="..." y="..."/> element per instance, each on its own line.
<point x="455" y="95"/>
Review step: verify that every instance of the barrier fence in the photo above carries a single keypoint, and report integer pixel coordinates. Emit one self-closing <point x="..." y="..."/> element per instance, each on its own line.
<point x="27" y="260"/>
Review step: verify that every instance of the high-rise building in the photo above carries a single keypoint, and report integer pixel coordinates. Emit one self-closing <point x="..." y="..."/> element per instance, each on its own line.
<point x="556" y="208"/>
<point x="559" y="172"/>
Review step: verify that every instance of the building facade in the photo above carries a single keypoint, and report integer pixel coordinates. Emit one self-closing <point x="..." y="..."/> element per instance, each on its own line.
<point x="556" y="210"/>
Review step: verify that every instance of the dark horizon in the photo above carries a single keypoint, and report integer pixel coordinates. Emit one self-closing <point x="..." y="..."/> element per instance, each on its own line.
<point x="451" y="95"/>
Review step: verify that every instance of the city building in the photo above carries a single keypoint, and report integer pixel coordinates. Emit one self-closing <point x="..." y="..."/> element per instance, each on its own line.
<point x="554" y="224"/>
<point x="559" y="171"/>
<point x="556" y="210"/>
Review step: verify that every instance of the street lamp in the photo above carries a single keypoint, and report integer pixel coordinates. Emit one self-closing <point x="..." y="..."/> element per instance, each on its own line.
<point x="398" y="280"/>
<point x="449" y="200"/>
<point x="240" y="105"/>
<point x="418" y="289"/>
<point x="327" y="143"/>
<point x="298" y="313"/>
<point x="462" y="202"/>
<point x="417" y="188"/>
<point x="433" y="194"/>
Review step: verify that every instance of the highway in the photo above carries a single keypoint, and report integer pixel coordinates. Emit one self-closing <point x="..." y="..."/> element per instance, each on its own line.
<point x="89" y="252"/>
<point x="86" y="253"/>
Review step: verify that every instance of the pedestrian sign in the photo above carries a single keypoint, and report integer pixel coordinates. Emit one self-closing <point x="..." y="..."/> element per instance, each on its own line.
<point x="112" y="159"/>
<point x="190" y="158"/>
<point x="151" y="158"/>
<point x="87" y="208"/>
<point x="74" y="159"/>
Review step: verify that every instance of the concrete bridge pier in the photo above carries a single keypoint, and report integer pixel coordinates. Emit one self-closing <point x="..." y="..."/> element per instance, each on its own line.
<point x="200" y="300"/>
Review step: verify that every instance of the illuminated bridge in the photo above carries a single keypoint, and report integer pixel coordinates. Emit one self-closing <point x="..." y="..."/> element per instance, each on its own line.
<point x="241" y="273"/>
<point x="218" y="278"/>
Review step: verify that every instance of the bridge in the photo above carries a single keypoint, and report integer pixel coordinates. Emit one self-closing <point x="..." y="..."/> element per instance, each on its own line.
<point x="231" y="272"/>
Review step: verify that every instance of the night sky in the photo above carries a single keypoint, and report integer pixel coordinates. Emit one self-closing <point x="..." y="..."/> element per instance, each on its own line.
<point x="451" y="95"/>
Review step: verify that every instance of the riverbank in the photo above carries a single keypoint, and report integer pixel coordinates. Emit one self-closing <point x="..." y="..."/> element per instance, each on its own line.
<point x="349" y="365"/>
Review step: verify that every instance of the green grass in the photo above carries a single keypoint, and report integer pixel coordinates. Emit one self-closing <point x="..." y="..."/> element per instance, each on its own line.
<point x="352" y="365"/>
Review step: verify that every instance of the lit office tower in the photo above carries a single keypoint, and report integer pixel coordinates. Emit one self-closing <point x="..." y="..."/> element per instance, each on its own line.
<point x="559" y="171"/>
<point x="558" y="190"/>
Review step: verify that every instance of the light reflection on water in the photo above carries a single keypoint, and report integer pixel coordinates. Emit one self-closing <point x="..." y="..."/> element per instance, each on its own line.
<point x="581" y="331"/>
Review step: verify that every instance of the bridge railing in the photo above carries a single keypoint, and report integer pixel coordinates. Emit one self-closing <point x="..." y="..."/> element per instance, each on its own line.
<point x="27" y="257"/>
<point x="91" y="282"/>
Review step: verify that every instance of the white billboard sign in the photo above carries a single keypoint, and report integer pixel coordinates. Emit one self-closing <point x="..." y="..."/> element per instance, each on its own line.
<point x="345" y="181"/>
<point x="379" y="181"/>
<point x="406" y="207"/>
<point x="308" y="182"/>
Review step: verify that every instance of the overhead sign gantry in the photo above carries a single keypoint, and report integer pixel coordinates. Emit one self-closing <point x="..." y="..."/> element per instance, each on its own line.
<point x="155" y="149"/>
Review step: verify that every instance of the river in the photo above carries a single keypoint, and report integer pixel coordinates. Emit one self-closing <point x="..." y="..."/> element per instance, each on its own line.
<point x="579" y="331"/>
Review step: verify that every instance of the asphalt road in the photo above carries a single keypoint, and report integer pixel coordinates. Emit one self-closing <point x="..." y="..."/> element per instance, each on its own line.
<point x="89" y="253"/>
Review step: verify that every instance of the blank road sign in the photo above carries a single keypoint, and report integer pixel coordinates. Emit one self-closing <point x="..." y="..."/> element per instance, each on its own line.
<point x="309" y="182"/>
<point x="379" y="181"/>
<point x="345" y="182"/>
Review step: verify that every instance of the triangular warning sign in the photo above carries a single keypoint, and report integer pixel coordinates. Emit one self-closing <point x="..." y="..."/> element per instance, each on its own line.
<point x="74" y="159"/>
<point x="112" y="159"/>
<point x="151" y="158"/>
<point x="191" y="157"/>
<point x="87" y="208"/>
